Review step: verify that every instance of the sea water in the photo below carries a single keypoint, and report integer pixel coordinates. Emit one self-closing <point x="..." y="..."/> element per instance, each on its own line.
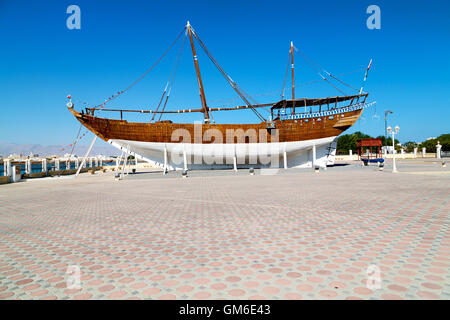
<point x="37" y="167"/>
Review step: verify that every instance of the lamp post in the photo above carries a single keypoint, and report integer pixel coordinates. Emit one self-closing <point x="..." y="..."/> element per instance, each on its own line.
<point x="395" y="131"/>
<point x="386" y="112"/>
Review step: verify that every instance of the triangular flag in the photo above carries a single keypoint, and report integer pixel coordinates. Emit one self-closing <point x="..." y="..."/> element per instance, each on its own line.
<point x="368" y="68"/>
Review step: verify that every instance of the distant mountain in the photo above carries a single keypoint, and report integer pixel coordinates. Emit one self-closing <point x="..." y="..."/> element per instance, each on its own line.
<point x="100" y="148"/>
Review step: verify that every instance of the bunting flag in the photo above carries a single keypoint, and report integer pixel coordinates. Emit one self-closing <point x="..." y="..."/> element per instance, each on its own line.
<point x="103" y="104"/>
<point x="368" y="68"/>
<point x="68" y="147"/>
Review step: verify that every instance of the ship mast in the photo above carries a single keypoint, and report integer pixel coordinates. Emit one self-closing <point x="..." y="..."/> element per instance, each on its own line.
<point x="199" y="78"/>
<point x="292" y="71"/>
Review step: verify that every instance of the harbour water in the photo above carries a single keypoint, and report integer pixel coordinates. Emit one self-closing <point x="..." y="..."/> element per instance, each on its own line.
<point x="37" y="167"/>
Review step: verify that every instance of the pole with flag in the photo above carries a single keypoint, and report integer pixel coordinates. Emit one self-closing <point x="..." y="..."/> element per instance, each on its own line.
<point x="365" y="76"/>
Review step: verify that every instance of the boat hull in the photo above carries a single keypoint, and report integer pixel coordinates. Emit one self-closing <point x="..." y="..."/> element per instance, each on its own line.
<point x="315" y="127"/>
<point x="291" y="143"/>
<point x="178" y="156"/>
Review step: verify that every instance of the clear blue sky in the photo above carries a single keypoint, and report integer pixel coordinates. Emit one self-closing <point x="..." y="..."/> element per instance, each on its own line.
<point x="41" y="61"/>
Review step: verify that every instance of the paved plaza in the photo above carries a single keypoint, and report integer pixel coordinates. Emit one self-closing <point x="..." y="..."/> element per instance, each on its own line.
<point x="350" y="232"/>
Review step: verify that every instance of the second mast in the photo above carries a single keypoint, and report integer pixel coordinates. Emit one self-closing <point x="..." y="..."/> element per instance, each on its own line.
<point x="199" y="78"/>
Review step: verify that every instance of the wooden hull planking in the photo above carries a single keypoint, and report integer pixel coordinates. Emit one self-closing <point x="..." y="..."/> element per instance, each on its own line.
<point x="207" y="146"/>
<point x="286" y="130"/>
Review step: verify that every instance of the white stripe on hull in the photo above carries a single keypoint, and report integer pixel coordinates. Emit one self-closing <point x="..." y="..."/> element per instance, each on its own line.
<point x="216" y="156"/>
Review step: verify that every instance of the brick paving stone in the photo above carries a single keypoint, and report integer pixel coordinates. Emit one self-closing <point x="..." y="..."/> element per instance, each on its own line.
<point x="226" y="235"/>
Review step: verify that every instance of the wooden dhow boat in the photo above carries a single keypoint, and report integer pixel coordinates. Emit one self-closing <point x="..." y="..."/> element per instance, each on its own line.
<point x="298" y="132"/>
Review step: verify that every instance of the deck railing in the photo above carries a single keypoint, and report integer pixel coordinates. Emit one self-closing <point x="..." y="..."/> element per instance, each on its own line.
<point x="352" y="107"/>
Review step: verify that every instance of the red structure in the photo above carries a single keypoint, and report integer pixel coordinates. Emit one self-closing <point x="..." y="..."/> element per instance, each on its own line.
<point x="371" y="145"/>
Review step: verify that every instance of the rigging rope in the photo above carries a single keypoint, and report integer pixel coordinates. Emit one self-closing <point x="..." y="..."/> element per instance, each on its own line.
<point x="285" y="77"/>
<point x="165" y="103"/>
<point x="342" y="81"/>
<point x="143" y="75"/>
<point x="226" y="76"/>
<point x="242" y="94"/>
<point x="254" y="101"/>
<point x="226" y="102"/>
<point x="160" y="100"/>
<point x="79" y="137"/>
<point x="331" y="84"/>
<point x="175" y="72"/>
<point x="76" y="139"/>
<point x="312" y="63"/>
<point x="171" y="76"/>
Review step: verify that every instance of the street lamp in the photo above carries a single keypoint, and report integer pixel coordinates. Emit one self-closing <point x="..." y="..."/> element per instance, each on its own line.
<point x="395" y="131"/>
<point x="386" y="112"/>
